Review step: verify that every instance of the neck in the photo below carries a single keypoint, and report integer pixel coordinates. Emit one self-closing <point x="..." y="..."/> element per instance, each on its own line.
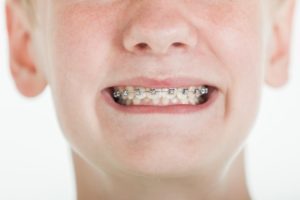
<point x="94" y="184"/>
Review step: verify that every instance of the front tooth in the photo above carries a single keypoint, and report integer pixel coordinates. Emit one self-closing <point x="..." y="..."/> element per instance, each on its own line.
<point x="184" y="101"/>
<point x="165" y="101"/>
<point x="191" y="94"/>
<point x="182" y="93"/>
<point x="153" y="93"/>
<point x="136" y="101"/>
<point x="171" y="93"/>
<point x="155" y="101"/>
<point x="146" y="100"/>
<point x="174" y="101"/>
<point x="131" y="93"/>
<point x="140" y="93"/>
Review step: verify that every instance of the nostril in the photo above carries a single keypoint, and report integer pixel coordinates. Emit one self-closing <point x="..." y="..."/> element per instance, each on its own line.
<point x="142" y="46"/>
<point x="178" y="44"/>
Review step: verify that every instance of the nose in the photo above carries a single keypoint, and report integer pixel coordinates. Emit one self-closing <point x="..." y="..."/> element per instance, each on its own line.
<point x="158" y="31"/>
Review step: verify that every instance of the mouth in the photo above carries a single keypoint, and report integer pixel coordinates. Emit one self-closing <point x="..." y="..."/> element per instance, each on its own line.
<point x="160" y="98"/>
<point x="141" y="96"/>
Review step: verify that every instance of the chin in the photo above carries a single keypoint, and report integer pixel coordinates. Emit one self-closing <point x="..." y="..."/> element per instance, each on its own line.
<point x="165" y="153"/>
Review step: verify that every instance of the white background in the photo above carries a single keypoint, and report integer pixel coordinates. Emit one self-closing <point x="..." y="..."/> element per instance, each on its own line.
<point x="35" y="160"/>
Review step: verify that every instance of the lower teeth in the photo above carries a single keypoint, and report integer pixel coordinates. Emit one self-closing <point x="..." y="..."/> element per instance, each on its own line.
<point x="161" y="97"/>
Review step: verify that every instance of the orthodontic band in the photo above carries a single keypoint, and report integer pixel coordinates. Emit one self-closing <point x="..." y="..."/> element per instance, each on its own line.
<point x="137" y="92"/>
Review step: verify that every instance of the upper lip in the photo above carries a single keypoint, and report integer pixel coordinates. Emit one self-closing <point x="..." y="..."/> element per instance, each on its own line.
<point x="171" y="82"/>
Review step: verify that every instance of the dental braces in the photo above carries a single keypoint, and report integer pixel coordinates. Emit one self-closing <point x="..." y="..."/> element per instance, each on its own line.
<point x="198" y="92"/>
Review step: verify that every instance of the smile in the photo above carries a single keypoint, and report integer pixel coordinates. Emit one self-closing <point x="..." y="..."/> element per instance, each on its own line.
<point x="135" y="96"/>
<point x="180" y="95"/>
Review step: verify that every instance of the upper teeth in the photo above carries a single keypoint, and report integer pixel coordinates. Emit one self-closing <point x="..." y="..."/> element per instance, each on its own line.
<point x="134" y="95"/>
<point x="119" y="92"/>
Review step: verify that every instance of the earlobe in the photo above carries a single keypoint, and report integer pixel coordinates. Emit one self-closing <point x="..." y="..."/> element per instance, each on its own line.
<point x="29" y="83"/>
<point x="28" y="78"/>
<point x="277" y="70"/>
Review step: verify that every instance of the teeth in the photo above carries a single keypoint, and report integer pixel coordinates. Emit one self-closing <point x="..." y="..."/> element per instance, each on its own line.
<point x="204" y="90"/>
<point x="136" y="101"/>
<point x="154" y="94"/>
<point x="184" y="101"/>
<point x="124" y="95"/>
<point x="131" y="94"/>
<point x="175" y="101"/>
<point x="193" y="101"/>
<point x="170" y="93"/>
<point x="160" y="96"/>
<point x="165" y="101"/>
<point x="140" y="93"/>
<point x="155" y="101"/>
<point x="191" y="93"/>
<point x="182" y="93"/>
<point x="116" y="94"/>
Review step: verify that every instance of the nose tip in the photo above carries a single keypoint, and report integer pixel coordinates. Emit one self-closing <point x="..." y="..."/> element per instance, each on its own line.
<point x="158" y="36"/>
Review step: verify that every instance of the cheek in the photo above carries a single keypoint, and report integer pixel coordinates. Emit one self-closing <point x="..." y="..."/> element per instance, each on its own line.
<point x="244" y="58"/>
<point x="80" y="46"/>
<point x="236" y="38"/>
<point x="238" y="42"/>
<point x="79" y="50"/>
<point x="81" y="41"/>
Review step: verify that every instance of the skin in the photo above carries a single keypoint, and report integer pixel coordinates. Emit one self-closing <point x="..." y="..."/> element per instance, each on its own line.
<point x="79" y="48"/>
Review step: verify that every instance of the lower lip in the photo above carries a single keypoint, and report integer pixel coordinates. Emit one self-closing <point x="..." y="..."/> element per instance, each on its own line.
<point x="171" y="109"/>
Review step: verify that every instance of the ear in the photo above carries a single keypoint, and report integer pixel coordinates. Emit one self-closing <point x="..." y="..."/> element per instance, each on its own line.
<point x="28" y="77"/>
<point x="278" y="60"/>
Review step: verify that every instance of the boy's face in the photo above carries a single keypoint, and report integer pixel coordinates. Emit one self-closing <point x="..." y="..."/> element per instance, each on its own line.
<point x="82" y="48"/>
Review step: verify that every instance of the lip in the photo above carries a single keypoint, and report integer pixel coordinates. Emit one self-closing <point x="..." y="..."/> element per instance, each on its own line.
<point x="165" y="83"/>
